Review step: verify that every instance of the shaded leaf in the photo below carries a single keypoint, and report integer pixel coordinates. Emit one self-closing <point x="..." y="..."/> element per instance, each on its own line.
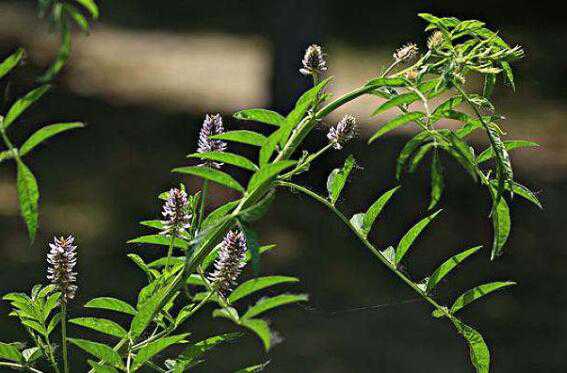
<point x="399" y="100"/>
<point x="409" y="148"/>
<point x="437" y="183"/>
<point x="509" y="145"/>
<point x="262" y="330"/>
<point x="501" y="224"/>
<point x="374" y="211"/>
<point x="151" y="349"/>
<point x="269" y="146"/>
<point x="197" y="350"/>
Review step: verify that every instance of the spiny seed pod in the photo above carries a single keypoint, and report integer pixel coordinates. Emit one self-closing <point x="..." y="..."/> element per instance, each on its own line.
<point x="342" y="132"/>
<point x="313" y="61"/>
<point x="62" y="258"/>
<point x="176" y="212"/>
<point x="232" y="253"/>
<point x="212" y="125"/>
<point x="435" y="40"/>
<point x="406" y="53"/>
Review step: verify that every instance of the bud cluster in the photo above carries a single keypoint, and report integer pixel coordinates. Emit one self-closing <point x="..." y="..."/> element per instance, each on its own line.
<point x="62" y="258"/>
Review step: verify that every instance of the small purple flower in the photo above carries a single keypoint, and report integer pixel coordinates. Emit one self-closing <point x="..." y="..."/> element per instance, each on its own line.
<point x="342" y="132"/>
<point x="176" y="212"/>
<point x="62" y="258"/>
<point x="212" y="125"/>
<point x="313" y="61"/>
<point x="229" y="264"/>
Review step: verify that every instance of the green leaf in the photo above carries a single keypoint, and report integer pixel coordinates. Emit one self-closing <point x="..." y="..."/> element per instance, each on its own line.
<point x="387" y="82"/>
<point x="479" y="354"/>
<point x="28" y="195"/>
<point x="229" y="158"/>
<point x="501" y="224"/>
<point x="45" y="133"/>
<point x="10" y="352"/>
<point x="90" y="6"/>
<point x="9" y="63"/>
<point x="146" y="311"/>
<point x="101" y="368"/>
<point x="211" y="174"/>
<point x="78" y="17"/>
<point x="220" y="212"/>
<point x="266" y="304"/>
<point x="448" y="266"/>
<point x="399" y="100"/>
<point x="262" y="330"/>
<point x="242" y="136"/>
<point x="357" y="221"/>
<point x="197" y="350"/>
<point x="269" y="146"/>
<point x="254" y="368"/>
<point x="151" y="349"/>
<point x="409" y="148"/>
<point x="262" y="116"/>
<point x="267" y="173"/>
<point x="157" y="224"/>
<point x="478" y="292"/>
<point x="62" y="54"/>
<point x="338" y="178"/>
<point x="411" y="235"/>
<point x="509" y="145"/>
<point x="101" y="351"/>
<point x="509" y="74"/>
<point x="462" y="153"/>
<point x="374" y="211"/>
<point x="158" y="239"/>
<point x="22" y="104"/>
<point x="419" y="155"/>
<point x="111" y="304"/>
<point x="489" y="82"/>
<point x="437" y="183"/>
<point x="395" y="123"/>
<point x="523" y="192"/>
<point x="32" y="354"/>
<point x="101" y="325"/>
<point x="257" y="284"/>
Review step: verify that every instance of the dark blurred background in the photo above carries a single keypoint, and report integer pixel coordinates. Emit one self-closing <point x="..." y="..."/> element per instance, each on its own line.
<point x="143" y="81"/>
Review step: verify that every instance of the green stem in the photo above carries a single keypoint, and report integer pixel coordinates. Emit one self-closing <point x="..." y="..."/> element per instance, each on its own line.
<point x="17" y="366"/>
<point x="64" y="336"/>
<point x="169" y="252"/>
<point x="368" y="245"/>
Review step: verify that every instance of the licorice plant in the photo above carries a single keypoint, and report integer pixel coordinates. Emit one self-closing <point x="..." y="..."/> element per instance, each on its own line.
<point x="204" y="254"/>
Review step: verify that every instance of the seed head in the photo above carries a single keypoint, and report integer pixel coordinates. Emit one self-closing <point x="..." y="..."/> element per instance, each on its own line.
<point x="313" y="61"/>
<point x="212" y="125"/>
<point x="62" y="258"/>
<point x="411" y="74"/>
<point x="435" y="40"/>
<point x="406" y="53"/>
<point x="176" y="212"/>
<point x="342" y="132"/>
<point x="232" y="253"/>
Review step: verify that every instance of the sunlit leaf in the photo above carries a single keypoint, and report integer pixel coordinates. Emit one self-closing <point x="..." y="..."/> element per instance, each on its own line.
<point x="478" y="292"/>
<point x="45" y="133"/>
<point x="90" y="6"/>
<point x="262" y="116"/>
<point x="253" y="369"/>
<point x="409" y="148"/>
<point x="9" y="63"/>
<point x="509" y="145"/>
<point x="257" y="284"/>
<point x="111" y="304"/>
<point x="211" y="174"/>
<point x="338" y="178"/>
<point x="158" y="239"/>
<point x="151" y="349"/>
<point x="501" y="224"/>
<point x="262" y="330"/>
<point x="395" y="123"/>
<point x="267" y="173"/>
<point x="22" y="104"/>
<point x="408" y="239"/>
<point x="437" y="182"/>
<point x="269" y="146"/>
<point x="10" y="352"/>
<point x="101" y="325"/>
<point x="242" y="136"/>
<point x="365" y="221"/>
<point x="228" y="158"/>
<point x="447" y="266"/>
<point x="98" y="350"/>
<point x="197" y="350"/>
<point x="479" y="353"/>
<point x="399" y="100"/>
<point x="266" y="304"/>
<point x="28" y="195"/>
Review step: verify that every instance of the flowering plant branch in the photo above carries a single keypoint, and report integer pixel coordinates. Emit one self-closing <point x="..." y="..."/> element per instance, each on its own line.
<point x="181" y="283"/>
